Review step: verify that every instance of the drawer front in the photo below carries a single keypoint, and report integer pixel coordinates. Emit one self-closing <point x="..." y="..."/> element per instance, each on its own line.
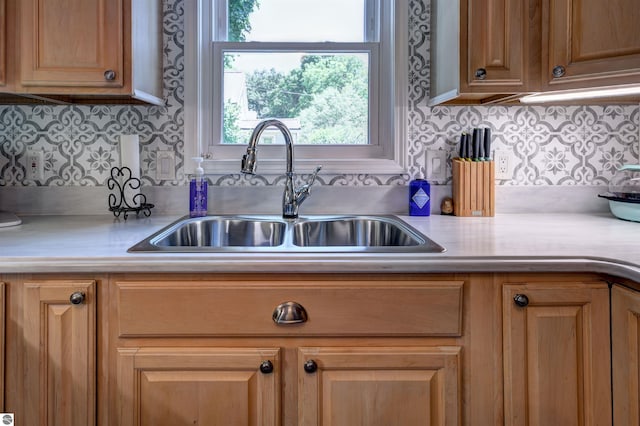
<point x="350" y="308"/>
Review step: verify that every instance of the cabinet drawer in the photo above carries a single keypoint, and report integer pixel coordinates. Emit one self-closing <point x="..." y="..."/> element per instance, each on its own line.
<point x="347" y="308"/>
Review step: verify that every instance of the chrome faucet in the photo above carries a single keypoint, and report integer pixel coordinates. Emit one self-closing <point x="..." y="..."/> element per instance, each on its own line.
<point x="292" y="198"/>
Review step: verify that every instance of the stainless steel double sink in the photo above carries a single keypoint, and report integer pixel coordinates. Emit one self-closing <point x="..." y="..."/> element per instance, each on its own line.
<point x="271" y="233"/>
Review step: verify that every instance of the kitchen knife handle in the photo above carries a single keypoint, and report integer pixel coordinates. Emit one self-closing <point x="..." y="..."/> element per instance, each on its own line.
<point x="487" y="144"/>
<point x="463" y="146"/>
<point x="477" y="140"/>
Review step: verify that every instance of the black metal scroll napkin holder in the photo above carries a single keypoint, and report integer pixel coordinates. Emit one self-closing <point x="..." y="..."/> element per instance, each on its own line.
<point x="121" y="180"/>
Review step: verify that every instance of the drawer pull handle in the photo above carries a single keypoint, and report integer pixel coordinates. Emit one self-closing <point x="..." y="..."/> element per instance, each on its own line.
<point x="77" y="298"/>
<point x="266" y="367"/>
<point x="289" y="313"/>
<point x="310" y="366"/>
<point x="521" y="300"/>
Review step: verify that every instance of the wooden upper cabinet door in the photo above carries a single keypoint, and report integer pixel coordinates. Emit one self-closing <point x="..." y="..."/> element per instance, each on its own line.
<point x="72" y="43"/>
<point x="556" y="354"/>
<point x="383" y="386"/>
<point x="498" y="44"/>
<point x="589" y="43"/>
<point x="625" y="316"/>
<point x="59" y="353"/>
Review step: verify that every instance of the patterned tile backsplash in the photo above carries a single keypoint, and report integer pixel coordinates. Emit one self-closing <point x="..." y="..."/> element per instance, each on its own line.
<point x="557" y="145"/>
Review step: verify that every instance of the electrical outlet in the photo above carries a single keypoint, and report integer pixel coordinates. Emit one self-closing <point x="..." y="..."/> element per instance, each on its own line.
<point x="504" y="164"/>
<point x="165" y="165"/>
<point x="35" y="166"/>
<point x="435" y="164"/>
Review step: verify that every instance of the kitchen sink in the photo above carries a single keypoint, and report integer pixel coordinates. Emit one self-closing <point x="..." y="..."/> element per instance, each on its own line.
<point x="270" y="233"/>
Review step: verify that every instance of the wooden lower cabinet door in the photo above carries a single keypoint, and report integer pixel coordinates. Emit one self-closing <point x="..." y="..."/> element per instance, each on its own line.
<point x="59" y="353"/>
<point x="385" y="386"/>
<point x="556" y="354"/>
<point x="198" y="386"/>
<point x="625" y="316"/>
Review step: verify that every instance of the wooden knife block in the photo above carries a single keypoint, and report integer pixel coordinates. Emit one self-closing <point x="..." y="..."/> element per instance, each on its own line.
<point x="473" y="188"/>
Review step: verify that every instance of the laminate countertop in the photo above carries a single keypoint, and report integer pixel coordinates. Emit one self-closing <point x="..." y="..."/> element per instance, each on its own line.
<point x="597" y="243"/>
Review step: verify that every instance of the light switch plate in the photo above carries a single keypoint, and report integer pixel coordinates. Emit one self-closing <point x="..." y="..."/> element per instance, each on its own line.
<point x="435" y="165"/>
<point x="165" y="165"/>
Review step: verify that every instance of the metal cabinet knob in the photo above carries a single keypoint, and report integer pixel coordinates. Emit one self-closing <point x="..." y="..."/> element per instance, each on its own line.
<point x="77" y="298"/>
<point x="558" y="71"/>
<point x="521" y="300"/>
<point x="481" y="74"/>
<point x="109" y="75"/>
<point x="310" y="366"/>
<point x="266" y="367"/>
<point x="289" y="313"/>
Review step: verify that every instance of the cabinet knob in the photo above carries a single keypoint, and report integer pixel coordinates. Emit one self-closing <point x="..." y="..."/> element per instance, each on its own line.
<point x="266" y="367"/>
<point x="481" y="74"/>
<point x="109" y="75"/>
<point x="521" y="300"/>
<point x="77" y="298"/>
<point x="310" y="366"/>
<point x="558" y="71"/>
<point x="289" y="313"/>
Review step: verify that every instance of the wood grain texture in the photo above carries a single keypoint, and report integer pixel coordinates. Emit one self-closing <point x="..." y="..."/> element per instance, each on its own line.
<point x="346" y="308"/>
<point x="207" y="386"/>
<point x="380" y="386"/>
<point x="596" y="41"/>
<point x="59" y="354"/>
<point x="625" y="329"/>
<point x="556" y="356"/>
<point x="66" y="46"/>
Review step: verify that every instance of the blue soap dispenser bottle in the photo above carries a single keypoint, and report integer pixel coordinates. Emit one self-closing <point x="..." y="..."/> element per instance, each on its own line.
<point x="198" y="191"/>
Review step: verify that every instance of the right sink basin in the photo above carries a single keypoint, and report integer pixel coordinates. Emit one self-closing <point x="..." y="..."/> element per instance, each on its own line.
<point x="355" y="231"/>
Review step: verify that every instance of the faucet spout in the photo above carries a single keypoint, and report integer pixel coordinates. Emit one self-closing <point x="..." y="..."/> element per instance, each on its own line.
<point x="292" y="198"/>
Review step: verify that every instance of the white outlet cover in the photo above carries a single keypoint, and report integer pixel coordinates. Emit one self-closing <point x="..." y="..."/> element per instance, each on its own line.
<point x="35" y="164"/>
<point x="503" y="160"/>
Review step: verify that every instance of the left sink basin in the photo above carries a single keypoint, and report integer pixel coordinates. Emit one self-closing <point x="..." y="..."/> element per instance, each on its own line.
<point x="216" y="233"/>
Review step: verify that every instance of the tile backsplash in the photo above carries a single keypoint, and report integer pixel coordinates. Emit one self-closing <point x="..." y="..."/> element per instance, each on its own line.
<point x="553" y="146"/>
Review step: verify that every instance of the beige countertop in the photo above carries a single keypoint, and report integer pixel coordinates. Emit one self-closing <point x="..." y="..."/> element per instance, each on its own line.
<point x="505" y="243"/>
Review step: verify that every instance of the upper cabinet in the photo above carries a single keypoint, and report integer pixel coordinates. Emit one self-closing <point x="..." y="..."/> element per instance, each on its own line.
<point x="81" y="50"/>
<point x="489" y="51"/>
<point x="590" y="43"/>
<point x="482" y="51"/>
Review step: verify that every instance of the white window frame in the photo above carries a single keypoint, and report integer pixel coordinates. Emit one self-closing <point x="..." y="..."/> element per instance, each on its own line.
<point x="385" y="154"/>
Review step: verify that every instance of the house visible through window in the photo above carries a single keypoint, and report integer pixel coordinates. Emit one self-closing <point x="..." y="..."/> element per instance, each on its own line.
<point x="325" y="68"/>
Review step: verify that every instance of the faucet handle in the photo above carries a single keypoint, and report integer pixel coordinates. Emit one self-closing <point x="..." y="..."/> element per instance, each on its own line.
<point x="313" y="177"/>
<point x="303" y="192"/>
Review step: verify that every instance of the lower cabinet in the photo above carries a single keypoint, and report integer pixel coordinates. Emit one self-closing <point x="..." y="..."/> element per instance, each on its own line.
<point x="321" y="349"/>
<point x="59" y="353"/>
<point x="201" y="386"/>
<point x="379" y="386"/>
<point x="288" y="351"/>
<point x="556" y="354"/>
<point x="625" y="316"/>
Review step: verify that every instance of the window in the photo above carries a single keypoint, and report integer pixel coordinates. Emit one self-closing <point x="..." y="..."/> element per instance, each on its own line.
<point x="334" y="71"/>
